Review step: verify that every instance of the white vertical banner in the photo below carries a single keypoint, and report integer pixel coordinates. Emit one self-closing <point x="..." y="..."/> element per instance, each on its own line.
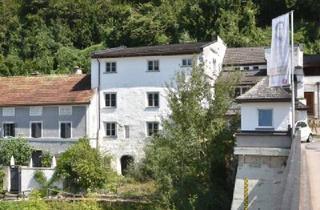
<point x="279" y="65"/>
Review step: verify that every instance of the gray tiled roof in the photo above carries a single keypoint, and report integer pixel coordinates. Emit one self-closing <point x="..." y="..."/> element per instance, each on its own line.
<point x="168" y="49"/>
<point x="244" y="56"/>
<point x="262" y="92"/>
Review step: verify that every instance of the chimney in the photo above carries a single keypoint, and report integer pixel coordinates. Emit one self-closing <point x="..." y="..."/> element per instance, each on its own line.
<point x="77" y="70"/>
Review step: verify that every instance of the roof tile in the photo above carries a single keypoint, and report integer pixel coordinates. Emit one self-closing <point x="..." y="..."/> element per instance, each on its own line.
<point x="45" y="90"/>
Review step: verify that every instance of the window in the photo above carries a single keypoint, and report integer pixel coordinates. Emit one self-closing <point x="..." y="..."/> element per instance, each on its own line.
<point x="111" y="99"/>
<point x="36" y="129"/>
<point x="265" y="117"/>
<point x="126" y="131"/>
<point x="65" y="130"/>
<point x="256" y="68"/>
<point x="8" y="112"/>
<point x="8" y="129"/>
<point x="246" y="68"/>
<point x="301" y="125"/>
<point x="241" y="90"/>
<point x="111" y="67"/>
<point x="237" y="91"/>
<point x="152" y="128"/>
<point x="65" y="110"/>
<point x="186" y="62"/>
<point x="111" y="129"/>
<point x="35" y="111"/>
<point x="153" y="65"/>
<point x="153" y="99"/>
<point x="237" y="68"/>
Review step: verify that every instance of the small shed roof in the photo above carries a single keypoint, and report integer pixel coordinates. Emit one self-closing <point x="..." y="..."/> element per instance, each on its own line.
<point x="261" y="92"/>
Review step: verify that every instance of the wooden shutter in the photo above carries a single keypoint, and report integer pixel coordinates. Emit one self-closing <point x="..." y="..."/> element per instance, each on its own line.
<point x="309" y="96"/>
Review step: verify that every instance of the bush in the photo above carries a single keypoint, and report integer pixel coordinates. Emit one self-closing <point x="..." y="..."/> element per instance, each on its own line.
<point x="46" y="159"/>
<point x="2" y="174"/>
<point x="18" y="148"/>
<point x="82" y="168"/>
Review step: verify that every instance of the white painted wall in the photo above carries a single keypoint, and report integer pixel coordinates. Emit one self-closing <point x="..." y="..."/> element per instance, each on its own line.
<point x="27" y="177"/>
<point x="92" y="119"/>
<point x="28" y="182"/>
<point x="281" y="115"/>
<point x="131" y="83"/>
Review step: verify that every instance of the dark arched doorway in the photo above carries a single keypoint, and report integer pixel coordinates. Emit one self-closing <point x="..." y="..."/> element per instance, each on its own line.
<point x="126" y="161"/>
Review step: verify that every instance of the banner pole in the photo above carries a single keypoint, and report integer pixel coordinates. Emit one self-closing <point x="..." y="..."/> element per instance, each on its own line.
<point x="292" y="80"/>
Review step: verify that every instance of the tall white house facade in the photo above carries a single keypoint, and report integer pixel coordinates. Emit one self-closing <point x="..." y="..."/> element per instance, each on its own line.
<point x="131" y="84"/>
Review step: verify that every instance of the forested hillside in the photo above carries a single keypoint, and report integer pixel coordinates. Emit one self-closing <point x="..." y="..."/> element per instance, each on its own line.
<point x="52" y="36"/>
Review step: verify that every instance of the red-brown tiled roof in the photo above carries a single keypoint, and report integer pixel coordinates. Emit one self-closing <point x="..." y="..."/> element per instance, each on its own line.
<point x="45" y="90"/>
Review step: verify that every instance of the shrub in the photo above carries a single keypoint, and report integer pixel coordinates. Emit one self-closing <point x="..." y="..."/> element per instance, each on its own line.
<point x="46" y="159"/>
<point x="2" y="174"/>
<point x="18" y="148"/>
<point x="82" y="167"/>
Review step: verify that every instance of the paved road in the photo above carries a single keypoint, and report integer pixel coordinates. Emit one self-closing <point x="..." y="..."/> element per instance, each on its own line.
<point x="310" y="176"/>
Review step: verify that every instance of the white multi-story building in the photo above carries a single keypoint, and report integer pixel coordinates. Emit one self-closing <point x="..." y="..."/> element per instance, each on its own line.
<point x="131" y="83"/>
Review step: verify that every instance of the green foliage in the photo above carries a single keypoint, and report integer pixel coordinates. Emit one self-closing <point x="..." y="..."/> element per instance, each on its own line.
<point x="53" y="36"/>
<point x="44" y="183"/>
<point x="46" y="159"/>
<point x="80" y="205"/>
<point x="82" y="167"/>
<point x="18" y="148"/>
<point x="189" y="159"/>
<point x="2" y="174"/>
<point x="34" y="203"/>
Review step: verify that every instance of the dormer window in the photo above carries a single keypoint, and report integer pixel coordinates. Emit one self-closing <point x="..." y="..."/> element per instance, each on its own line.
<point x="153" y="65"/>
<point x="187" y="62"/>
<point x="111" y="67"/>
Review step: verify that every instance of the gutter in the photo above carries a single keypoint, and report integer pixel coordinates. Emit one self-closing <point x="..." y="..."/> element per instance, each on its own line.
<point x="99" y="105"/>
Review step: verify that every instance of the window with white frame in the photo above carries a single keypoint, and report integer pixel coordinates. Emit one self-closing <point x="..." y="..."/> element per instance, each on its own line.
<point x="111" y="67"/>
<point x="65" y="130"/>
<point x="186" y="62"/>
<point x="111" y="100"/>
<point x="8" y="111"/>
<point x="152" y="128"/>
<point x="153" y="65"/>
<point x="65" y="110"/>
<point x="265" y="117"/>
<point x="153" y="99"/>
<point x="36" y="129"/>
<point x="9" y="129"/>
<point x="241" y="90"/>
<point x="111" y="129"/>
<point x="35" y="111"/>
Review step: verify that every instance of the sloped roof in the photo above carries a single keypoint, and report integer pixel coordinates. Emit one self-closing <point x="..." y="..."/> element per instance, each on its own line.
<point x="45" y="90"/>
<point x="168" y="49"/>
<point x="244" y="56"/>
<point x="261" y="92"/>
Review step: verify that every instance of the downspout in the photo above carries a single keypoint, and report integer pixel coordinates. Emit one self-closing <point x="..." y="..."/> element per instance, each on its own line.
<point x="99" y="115"/>
<point x="318" y="99"/>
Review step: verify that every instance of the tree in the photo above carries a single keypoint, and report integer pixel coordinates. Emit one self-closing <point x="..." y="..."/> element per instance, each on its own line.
<point x="19" y="148"/>
<point x="82" y="168"/>
<point x="189" y="158"/>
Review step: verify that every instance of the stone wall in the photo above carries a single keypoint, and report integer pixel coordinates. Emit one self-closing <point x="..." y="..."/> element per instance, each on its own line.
<point x="264" y="175"/>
